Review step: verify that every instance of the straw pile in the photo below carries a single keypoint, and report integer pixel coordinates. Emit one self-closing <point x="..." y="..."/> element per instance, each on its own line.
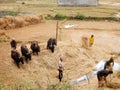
<point x="10" y="22"/>
<point x="85" y="42"/>
<point x="114" y="85"/>
<point x="4" y="37"/>
<point x="118" y="74"/>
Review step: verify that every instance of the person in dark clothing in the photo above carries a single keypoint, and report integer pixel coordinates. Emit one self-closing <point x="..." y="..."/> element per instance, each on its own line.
<point x="101" y="76"/>
<point x="60" y="76"/>
<point x="109" y="63"/>
<point x="13" y="44"/>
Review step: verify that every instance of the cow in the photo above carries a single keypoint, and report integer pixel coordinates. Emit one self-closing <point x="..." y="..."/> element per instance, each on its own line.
<point x="16" y="57"/>
<point x="51" y="44"/>
<point x="13" y="43"/>
<point x="35" y="47"/>
<point x="25" y="52"/>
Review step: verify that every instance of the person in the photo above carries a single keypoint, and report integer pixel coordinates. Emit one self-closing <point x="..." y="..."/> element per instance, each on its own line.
<point x="60" y="69"/>
<point x="13" y="43"/>
<point x="91" y="40"/>
<point x="101" y="76"/>
<point x="109" y="64"/>
<point x="60" y="63"/>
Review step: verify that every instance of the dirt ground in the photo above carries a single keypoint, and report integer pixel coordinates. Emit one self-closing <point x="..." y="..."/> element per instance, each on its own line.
<point x="42" y="69"/>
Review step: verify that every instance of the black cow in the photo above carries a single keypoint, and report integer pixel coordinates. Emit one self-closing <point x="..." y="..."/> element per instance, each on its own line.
<point x="51" y="44"/>
<point x="13" y="44"/>
<point x="16" y="57"/>
<point x="25" y="52"/>
<point x="35" y="47"/>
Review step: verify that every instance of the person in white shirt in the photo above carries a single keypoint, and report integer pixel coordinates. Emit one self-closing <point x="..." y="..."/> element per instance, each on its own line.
<point x="60" y="63"/>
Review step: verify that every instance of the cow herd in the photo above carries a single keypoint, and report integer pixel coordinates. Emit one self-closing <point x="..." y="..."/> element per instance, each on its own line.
<point x="26" y="53"/>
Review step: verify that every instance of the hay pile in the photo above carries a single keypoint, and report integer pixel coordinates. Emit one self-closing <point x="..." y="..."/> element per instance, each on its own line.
<point x="114" y="85"/>
<point x="85" y="42"/>
<point x="118" y="74"/>
<point x="10" y="22"/>
<point x="4" y="37"/>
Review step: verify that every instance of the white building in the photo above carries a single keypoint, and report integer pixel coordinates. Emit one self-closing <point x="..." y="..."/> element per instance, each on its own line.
<point x="78" y="2"/>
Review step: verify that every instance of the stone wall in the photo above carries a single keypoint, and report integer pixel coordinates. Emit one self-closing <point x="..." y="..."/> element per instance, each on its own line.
<point x="78" y="2"/>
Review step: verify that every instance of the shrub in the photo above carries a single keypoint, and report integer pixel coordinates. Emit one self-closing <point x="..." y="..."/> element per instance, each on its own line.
<point x="60" y="16"/>
<point x="80" y="16"/>
<point x="12" y="13"/>
<point x="111" y="18"/>
<point x="101" y="18"/>
<point x="94" y="18"/>
<point x="49" y="17"/>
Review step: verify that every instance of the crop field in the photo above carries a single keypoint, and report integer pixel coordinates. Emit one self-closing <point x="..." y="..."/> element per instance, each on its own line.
<point x="106" y="8"/>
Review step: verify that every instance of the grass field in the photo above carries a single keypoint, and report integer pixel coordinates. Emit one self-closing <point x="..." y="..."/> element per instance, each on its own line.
<point x="104" y="9"/>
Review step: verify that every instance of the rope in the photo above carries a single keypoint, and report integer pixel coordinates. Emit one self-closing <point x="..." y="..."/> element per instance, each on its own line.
<point x="88" y="79"/>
